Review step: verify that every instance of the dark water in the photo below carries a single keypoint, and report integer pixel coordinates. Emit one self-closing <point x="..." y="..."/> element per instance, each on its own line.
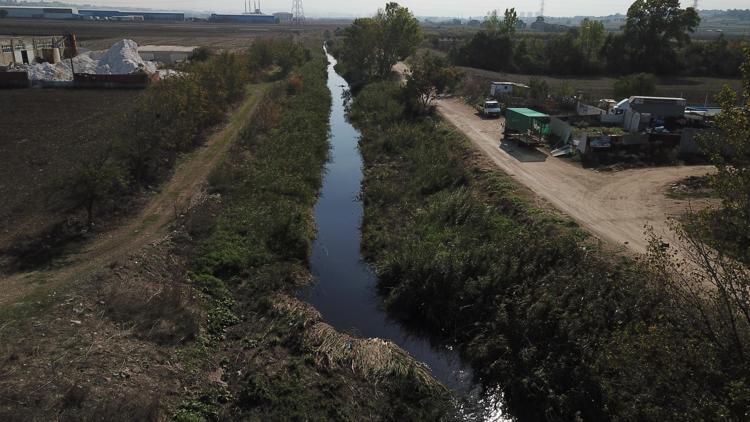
<point x="345" y="289"/>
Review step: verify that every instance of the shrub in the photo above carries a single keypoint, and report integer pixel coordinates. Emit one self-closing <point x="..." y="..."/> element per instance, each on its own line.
<point x="636" y="84"/>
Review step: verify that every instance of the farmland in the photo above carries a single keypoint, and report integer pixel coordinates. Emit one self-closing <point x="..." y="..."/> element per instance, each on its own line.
<point x="100" y="35"/>
<point x="45" y="133"/>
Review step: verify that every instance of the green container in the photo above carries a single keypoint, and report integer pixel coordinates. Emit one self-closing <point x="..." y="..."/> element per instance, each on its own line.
<point x="522" y="120"/>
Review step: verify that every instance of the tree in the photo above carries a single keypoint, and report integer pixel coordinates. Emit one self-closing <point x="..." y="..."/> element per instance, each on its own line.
<point x="429" y="77"/>
<point x="373" y="45"/>
<point x="591" y="38"/>
<point x="538" y="90"/>
<point x="729" y="151"/>
<point x="400" y="35"/>
<point x="95" y="181"/>
<point x="505" y="26"/>
<point x="510" y="22"/>
<point x="486" y="50"/>
<point x="492" y="22"/>
<point x="652" y="30"/>
<point x="637" y="84"/>
<point x="360" y="49"/>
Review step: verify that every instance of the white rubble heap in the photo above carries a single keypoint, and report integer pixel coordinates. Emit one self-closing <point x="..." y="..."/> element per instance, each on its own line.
<point x="121" y="59"/>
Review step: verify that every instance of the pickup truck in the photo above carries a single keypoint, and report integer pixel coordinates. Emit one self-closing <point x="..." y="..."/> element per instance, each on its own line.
<point x="489" y="109"/>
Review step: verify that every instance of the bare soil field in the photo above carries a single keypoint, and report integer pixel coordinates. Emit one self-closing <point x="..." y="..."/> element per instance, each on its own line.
<point x="694" y="89"/>
<point x="150" y="225"/>
<point x="97" y="35"/>
<point x="43" y="135"/>
<point x="615" y="207"/>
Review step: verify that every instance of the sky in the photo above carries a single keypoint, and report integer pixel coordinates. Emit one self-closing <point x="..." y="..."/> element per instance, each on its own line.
<point x="457" y="8"/>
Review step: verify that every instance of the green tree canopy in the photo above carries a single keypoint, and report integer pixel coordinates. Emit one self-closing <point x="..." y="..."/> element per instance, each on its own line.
<point x="591" y="38"/>
<point x="637" y="84"/>
<point x="729" y="151"/>
<point x="653" y="29"/>
<point x="400" y="35"/>
<point x="373" y="45"/>
<point x="429" y="77"/>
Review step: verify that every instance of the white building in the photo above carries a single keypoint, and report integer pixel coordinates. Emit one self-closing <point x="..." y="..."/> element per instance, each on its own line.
<point x="166" y="53"/>
<point x="505" y="88"/>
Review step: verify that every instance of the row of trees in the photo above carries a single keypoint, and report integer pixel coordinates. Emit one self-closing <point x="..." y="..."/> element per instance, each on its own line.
<point x="655" y="38"/>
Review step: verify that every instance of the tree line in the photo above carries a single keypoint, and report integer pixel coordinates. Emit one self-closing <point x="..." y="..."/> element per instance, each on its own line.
<point x="655" y="39"/>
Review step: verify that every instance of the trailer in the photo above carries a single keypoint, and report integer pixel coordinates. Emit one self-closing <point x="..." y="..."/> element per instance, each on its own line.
<point x="527" y="126"/>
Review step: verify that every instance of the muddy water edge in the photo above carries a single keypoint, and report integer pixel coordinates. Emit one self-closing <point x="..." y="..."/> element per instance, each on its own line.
<point x="345" y="289"/>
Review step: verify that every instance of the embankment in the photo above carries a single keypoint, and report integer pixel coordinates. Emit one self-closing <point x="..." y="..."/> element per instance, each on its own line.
<point x="280" y="359"/>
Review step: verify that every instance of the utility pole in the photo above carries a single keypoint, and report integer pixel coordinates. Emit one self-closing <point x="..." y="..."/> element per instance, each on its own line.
<point x="541" y="10"/>
<point x="298" y="12"/>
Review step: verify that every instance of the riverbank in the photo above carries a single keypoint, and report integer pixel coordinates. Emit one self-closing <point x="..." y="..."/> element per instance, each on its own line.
<point x="203" y="323"/>
<point x="563" y="328"/>
<point x="286" y="361"/>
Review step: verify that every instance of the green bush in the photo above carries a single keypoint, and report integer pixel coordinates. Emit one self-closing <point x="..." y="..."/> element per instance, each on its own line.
<point x="637" y="84"/>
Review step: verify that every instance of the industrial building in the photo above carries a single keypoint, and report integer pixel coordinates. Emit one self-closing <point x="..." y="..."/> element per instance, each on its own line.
<point x="71" y="13"/>
<point x="147" y="16"/>
<point x="252" y="15"/>
<point x="62" y="13"/>
<point x="283" y="17"/>
<point x="249" y="18"/>
<point x="166" y="53"/>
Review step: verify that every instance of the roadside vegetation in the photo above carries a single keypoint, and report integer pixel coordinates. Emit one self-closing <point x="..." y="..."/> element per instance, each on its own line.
<point x="566" y="329"/>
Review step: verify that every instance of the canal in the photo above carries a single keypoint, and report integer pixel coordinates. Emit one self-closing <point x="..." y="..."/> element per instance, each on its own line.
<point x="344" y="291"/>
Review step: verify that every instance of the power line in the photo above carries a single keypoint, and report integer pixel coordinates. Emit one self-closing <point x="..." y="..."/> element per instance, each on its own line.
<point x="298" y="12"/>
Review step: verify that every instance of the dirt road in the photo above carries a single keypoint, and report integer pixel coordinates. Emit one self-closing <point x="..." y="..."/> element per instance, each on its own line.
<point x="150" y="225"/>
<point x="613" y="206"/>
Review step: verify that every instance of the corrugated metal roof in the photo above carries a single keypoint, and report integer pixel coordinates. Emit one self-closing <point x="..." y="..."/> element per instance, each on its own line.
<point x="528" y="112"/>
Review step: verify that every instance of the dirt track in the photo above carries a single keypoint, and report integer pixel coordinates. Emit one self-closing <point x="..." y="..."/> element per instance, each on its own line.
<point x="150" y="225"/>
<point x="613" y="206"/>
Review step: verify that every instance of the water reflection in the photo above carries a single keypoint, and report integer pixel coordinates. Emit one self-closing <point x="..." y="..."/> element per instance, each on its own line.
<point x="345" y="289"/>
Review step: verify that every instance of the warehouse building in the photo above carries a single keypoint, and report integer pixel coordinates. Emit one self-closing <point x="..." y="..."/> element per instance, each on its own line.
<point x="283" y="17"/>
<point x="147" y="16"/>
<point x="249" y="18"/>
<point x="166" y="53"/>
<point x="41" y="12"/>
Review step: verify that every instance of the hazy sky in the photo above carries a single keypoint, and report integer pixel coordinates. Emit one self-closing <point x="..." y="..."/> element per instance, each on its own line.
<point x="461" y="8"/>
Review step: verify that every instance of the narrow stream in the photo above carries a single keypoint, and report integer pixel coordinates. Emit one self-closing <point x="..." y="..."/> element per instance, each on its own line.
<point x="345" y="289"/>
